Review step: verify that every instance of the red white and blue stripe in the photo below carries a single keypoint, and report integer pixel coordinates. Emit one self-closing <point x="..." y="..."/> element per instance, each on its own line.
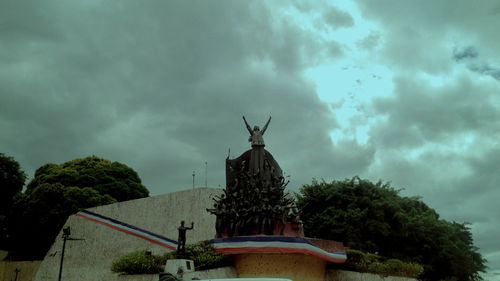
<point x="129" y="229"/>
<point x="274" y="244"/>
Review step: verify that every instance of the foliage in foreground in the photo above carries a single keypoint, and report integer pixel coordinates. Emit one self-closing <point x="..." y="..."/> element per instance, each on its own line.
<point x="138" y="262"/>
<point x="373" y="217"/>
<point x="57" y="191"/>
<point x="204" y="256"/>
<point x="372" y="263"/>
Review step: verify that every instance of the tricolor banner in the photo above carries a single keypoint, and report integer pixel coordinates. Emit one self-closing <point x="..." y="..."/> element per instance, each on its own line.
<point x="274" y="244"/>
<point x="129" y="229"/>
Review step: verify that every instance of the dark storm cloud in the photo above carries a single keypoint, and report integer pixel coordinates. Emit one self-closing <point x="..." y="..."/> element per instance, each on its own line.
<point x="486" y="69"/>
<point x="437" y="134"/>
<point x="469" y="55"/>
<point x="465" y="53"/>
<point x="419" y="112"/>
<point x="325" y="16"/>
<point x="336" y="18"/>
<point x="162" y="87"/>
<point x="416" y="34"/>
<point x="448" y="129"/>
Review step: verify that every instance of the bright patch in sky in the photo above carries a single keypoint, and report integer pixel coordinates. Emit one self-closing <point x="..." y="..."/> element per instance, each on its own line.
<point x="347" y="84"/>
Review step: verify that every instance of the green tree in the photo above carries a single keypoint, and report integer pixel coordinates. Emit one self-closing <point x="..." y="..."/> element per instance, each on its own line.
<point x="373" y="217"/>
<point x="113" y="178"/>
<point x="57" y="191"/>
<point x="38" y="217"/>
<point x="11" y="181"/>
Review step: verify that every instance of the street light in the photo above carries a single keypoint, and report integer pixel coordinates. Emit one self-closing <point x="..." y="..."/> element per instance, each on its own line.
<point x="65" y="236"/>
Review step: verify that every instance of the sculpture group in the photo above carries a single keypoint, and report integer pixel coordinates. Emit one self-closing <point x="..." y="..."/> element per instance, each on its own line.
<point x="254" y="201"/>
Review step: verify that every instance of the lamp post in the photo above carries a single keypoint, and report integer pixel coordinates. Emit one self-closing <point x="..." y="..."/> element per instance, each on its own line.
<point x="17" y="271"/>
<point x="65" y="236"/>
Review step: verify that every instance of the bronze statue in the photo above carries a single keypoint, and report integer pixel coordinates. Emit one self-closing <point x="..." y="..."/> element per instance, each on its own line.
<point x="181" y="243"/>
<point x="257" y="156"/>
<point x="254" y="201"/>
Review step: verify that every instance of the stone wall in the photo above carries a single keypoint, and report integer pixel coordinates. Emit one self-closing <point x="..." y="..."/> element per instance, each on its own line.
<point x="27" y="270"/>
<point x="91" y="259"/>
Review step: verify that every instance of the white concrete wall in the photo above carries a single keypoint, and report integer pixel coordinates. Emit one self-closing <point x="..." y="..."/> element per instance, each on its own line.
<point x="344" y="275"/>
<point x="216" y="273"/>
<point x="91" y="259"/>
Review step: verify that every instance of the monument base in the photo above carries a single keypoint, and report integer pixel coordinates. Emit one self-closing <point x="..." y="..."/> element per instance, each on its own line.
<point x="178" y="267"/>
<point x="298" y="267"/>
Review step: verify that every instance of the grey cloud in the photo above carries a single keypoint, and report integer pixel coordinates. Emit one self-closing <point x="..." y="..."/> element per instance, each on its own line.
<point x="336" y="18"/>
<point x="164" y="92"/>
<point x="486" y="69"/>
<point x="465" y="53"/>
<point x="326" y="17"/>
<point x="370" y="41"/>
<point x="437" y="136"/>
<point x="417" y="148"/>
<point x="470" y="56"/>
<point x="421" y="112"/>
<point x="417" y="35"/>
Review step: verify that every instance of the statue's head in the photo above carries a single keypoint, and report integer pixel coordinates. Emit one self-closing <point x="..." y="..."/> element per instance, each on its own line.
<point x="256" y="128"/>
<point x="182" y="223"/>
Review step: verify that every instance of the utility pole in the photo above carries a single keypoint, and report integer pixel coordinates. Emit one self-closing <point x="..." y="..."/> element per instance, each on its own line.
<point x="193" y="180"/>
<point x="66" y="234"/>
<point x="206" y="169"/>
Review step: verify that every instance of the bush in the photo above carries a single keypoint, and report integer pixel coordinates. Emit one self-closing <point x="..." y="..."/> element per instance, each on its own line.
<point x="371" y="263"/>
<point x="138" y="262"/>
<point x="202" y="253"/>
<point x="204" y="256"/>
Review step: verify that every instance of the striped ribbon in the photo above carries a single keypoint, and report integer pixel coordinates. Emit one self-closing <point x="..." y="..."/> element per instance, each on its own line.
<point x="129" y="229"/>
<point x="274" y="244"/>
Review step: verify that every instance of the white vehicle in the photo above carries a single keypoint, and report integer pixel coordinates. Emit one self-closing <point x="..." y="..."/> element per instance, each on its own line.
<point x="248" y="279"/>
<point x="169" y="277"/>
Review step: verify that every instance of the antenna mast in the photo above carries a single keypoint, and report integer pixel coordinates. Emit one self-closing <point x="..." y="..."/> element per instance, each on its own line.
<point x="206" y="172"/>
<point x="193" y="179"/>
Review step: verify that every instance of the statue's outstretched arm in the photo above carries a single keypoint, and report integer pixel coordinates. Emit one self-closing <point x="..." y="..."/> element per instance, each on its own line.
<point x="265" y="126"/>
<point x="248" y="126"/>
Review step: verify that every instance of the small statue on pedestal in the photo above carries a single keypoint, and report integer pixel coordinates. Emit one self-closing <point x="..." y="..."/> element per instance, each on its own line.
<point x="181" y="243"/>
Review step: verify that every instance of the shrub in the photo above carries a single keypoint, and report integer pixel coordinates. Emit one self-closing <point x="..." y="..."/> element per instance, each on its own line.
<point x="204" y="256"/>
<point x="371" y="263"/>
<point x="138" y="262"/>
<point x="202" y="253"/>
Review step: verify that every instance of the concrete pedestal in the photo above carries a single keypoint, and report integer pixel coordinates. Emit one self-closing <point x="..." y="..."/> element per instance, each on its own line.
<point x="298" y="267"/>
<point x="179" y="267"/>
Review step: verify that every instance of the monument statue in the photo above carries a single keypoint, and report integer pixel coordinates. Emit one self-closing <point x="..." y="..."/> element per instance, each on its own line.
<point x="256" y="162"/>
<point x="254" y="200"/>
<point x="181" y="241"/>
<point x="256" y="139"/>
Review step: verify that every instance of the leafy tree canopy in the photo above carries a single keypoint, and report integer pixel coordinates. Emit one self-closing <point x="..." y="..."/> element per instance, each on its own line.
<point x="106" y="177"/>
<point x="58" y="191"/>
<point x="373" y="217"/>
<point x="11" y="181"/>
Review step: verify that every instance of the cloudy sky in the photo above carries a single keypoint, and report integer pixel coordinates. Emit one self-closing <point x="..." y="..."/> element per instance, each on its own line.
<point x="406" y="92"/>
